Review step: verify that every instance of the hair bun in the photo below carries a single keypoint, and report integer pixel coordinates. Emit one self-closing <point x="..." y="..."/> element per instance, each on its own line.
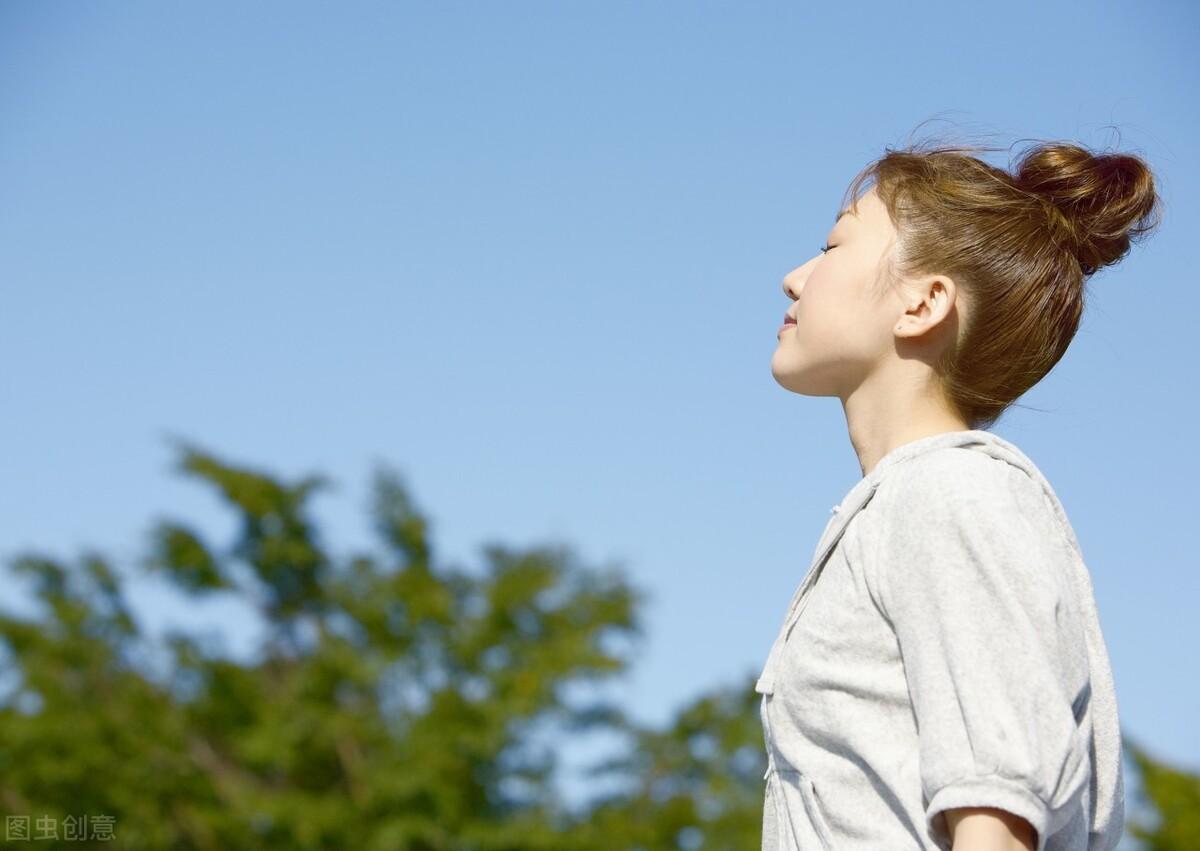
<point x="1097" y="203"/>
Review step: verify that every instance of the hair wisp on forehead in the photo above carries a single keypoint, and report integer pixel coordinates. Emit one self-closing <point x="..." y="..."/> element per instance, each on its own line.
<point x="1020" y="244"/>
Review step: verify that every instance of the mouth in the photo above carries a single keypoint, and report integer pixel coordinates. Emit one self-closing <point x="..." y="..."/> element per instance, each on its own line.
<point x="789" y="321"/>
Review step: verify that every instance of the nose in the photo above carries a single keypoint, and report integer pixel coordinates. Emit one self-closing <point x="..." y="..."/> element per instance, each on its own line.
<point x="793" y="283"/>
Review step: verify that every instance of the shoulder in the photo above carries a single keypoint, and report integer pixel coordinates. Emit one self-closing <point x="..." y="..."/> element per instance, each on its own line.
<point x="955" y="518"/>
<point x="960" y="482"/>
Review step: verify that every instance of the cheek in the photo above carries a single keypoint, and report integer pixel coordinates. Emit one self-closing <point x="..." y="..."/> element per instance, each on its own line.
<point x="837" y="319"/>
<point x="823" y="310"/>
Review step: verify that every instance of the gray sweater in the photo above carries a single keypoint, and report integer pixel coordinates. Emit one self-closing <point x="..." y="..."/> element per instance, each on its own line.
<point x="943" y="650"/>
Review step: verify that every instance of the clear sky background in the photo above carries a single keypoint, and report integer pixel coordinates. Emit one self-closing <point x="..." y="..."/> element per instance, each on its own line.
<point x="530" y="255"/>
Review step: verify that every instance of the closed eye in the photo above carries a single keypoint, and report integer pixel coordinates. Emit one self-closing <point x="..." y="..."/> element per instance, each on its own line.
<point x="825" y="248"/>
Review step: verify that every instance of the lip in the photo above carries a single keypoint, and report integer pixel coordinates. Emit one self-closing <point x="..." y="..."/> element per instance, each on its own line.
<point x="785" y="327"/>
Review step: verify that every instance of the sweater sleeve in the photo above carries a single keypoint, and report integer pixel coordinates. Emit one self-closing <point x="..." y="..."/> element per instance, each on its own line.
<point x="973" y="589"/>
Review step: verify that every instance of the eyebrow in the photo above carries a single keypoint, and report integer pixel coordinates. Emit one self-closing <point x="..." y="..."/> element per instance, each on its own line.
<point x="842" y="213"/>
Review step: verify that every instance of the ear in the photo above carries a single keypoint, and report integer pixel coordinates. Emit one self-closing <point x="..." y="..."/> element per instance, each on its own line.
<point x="928" y="302"/>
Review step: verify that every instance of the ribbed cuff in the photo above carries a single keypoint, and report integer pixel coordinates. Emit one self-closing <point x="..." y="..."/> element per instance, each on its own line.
<point x="992" y="790"/>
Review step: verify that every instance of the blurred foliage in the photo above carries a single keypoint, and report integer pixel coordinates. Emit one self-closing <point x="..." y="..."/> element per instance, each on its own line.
<point x="1172" y="796"/>
<point x="393" y="704"/>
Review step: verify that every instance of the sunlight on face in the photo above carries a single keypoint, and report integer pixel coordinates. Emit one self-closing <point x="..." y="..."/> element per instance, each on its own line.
<point x="843" y="314"/>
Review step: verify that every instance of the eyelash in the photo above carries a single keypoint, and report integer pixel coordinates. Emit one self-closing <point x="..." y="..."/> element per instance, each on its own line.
<point x="825" y="248"/>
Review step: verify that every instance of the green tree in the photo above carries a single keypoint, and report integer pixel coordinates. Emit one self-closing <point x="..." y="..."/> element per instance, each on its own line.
<point x="698" y="783"/>
<point x="1172" y="797"/>
<point x="394" y="703"/>
<point x="391" y="706"/>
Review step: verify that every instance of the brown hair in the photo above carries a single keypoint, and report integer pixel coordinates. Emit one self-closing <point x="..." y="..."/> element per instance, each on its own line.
<point x="1020" y="244"/>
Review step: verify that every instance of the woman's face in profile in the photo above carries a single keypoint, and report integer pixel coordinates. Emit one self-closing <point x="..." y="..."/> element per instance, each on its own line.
<point x="843" y="328"/>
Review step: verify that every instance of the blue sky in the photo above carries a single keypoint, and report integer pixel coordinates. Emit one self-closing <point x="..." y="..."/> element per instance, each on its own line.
<point x="530" y="255"/>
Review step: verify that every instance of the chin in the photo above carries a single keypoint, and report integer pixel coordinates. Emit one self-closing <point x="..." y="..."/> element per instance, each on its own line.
<point x="790" y="379"/>
<point x="800" y="378"/>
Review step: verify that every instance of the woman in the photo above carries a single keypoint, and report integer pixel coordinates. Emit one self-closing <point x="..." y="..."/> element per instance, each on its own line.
<point x="941" y="680"/>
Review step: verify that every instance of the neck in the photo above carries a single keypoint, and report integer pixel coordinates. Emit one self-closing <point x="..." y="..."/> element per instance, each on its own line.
<point x="887" y="414"/>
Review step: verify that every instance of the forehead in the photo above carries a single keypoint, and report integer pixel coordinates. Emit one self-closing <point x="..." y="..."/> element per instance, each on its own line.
<point x="870" y="209"/>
